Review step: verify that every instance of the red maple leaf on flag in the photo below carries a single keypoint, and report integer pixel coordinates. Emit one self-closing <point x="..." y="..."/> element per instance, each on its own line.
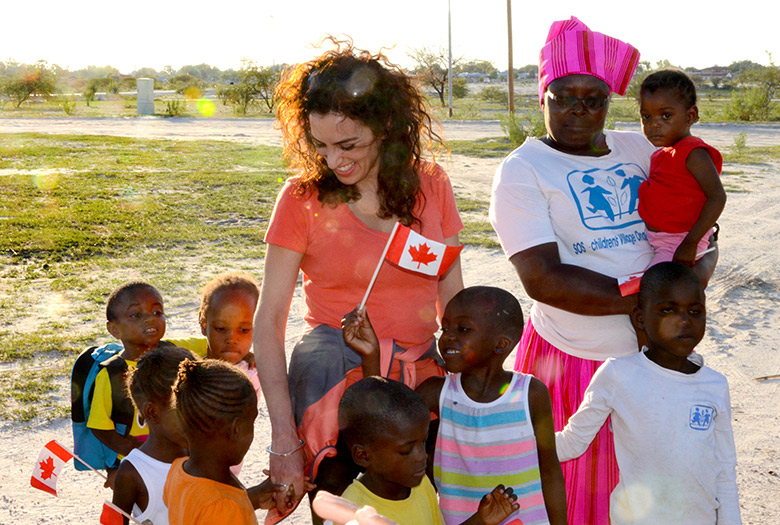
<point x="47" y="468"/>
<point x="422" y="254"/>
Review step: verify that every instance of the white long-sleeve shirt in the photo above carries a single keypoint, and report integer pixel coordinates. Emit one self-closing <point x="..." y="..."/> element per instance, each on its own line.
<point x="673" y="441"/>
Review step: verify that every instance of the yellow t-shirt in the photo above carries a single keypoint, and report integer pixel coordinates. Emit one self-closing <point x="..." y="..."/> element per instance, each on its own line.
<point x="100" y="411"/>
<point x="420" y="508"/>
<point x="197" y="345"/>
<point x="194" y="501"/>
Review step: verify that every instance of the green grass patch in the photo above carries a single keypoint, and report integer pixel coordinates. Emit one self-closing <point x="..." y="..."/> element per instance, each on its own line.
<point x="83" y="196"/>
<point x="492" y="147"/>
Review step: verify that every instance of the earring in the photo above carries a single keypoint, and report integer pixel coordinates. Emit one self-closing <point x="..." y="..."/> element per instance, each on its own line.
<point x="498" y="350"/>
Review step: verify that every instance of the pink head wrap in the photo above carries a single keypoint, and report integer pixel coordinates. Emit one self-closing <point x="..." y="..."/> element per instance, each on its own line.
<point x="573" y="49"/>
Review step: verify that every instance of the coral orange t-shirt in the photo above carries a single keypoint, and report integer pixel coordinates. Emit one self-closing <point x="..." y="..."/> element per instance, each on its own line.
<point x="340" y="254"/>
<point x="200" y="501"/>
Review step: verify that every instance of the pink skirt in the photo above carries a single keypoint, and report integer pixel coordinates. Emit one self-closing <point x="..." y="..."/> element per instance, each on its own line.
<point x="591" y="477"/>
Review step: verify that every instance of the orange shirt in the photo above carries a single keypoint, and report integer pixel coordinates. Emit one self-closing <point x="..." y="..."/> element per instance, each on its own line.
<point x="340" y="254"/>
<point x="192" y="500"/>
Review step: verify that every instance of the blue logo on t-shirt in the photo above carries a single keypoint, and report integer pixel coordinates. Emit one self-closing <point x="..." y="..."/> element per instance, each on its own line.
<point x="701" y="417"/>
<point x="607" y="199"/>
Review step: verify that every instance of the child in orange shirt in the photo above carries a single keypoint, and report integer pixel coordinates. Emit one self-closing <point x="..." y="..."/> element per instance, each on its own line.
<point x="217" y="407"/>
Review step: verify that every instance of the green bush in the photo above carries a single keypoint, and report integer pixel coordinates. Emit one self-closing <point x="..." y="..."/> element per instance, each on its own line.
<point x="175" y="107"/>
<point x="751" y="104"/>
<point x="519" y="127"/>
<point x="67" y="104"/>
<point x="495" y="94"/>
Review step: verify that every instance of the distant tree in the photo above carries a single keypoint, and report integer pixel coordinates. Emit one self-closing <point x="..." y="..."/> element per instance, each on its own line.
<point x="758" y="88"/>
<point x="97" y="72"/>
<point x="476" y="66"/>
<point x="459" y="88"/>
<point x="181" y="83"/>
<point x="90" y="91"/>
<point x="144" y="72"/>
<point x="254" y="83"/>
<point x="204" y="72"/>
<point x="531" y="69"/>
<point x="743" y="66"/>
<point x="30" y="81"/>
<point x="433" y="68"/>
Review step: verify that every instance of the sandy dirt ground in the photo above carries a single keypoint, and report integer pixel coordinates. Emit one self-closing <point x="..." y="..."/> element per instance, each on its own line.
<point x="742" y="339"/>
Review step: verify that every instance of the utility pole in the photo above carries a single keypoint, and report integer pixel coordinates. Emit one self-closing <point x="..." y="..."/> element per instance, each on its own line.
<point x="449" y="36"/>
<point x="510" y="72"/>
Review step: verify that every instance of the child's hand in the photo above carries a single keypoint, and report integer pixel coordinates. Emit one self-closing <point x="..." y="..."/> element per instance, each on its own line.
<point x="262" y="495"/>
<point x="359" y="334"/>
<point x="686" y="253"/>
<point x="495" y="506"/>
<point x="249" y="359"/>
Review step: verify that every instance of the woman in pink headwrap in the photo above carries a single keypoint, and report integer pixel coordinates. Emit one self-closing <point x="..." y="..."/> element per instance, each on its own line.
<point x="564" y="208"/>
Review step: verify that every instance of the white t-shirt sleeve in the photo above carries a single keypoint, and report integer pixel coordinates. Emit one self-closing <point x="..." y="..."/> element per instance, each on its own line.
<point x="728" y="498"/>
<point x="519" y="211"/>
<point x="596" y="406"/>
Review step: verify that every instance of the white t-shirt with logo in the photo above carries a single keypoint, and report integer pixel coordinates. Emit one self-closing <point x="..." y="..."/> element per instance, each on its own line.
<point x="588" y="207"/>
<point x="673" y="441"/>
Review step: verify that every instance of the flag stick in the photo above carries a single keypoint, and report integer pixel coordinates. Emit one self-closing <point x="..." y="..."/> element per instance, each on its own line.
<point x="82" y="461"/>
<point x="123" y="513"/>
<point x="378" y="266"/>
<point x="705" y="252"/>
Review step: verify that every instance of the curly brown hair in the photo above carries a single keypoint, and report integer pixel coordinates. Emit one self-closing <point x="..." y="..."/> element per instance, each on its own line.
<point x="371" y="90"/>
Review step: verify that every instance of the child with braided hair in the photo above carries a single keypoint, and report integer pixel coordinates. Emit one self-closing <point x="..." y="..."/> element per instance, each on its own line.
<point x="216" y="407"/>
<point x="138" y="487"/>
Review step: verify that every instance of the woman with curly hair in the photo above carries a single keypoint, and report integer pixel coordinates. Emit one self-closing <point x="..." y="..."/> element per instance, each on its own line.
<point x="354" y="128"/>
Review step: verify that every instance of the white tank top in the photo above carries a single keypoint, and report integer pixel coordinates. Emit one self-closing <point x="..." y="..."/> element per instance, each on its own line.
<point x="153" y="473"/>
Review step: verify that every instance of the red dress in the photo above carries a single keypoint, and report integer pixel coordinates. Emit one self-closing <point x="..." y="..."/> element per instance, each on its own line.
<point x="671" y="199"/>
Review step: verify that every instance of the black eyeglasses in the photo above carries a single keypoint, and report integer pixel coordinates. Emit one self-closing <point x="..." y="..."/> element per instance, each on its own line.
<point x="569" y="102"/>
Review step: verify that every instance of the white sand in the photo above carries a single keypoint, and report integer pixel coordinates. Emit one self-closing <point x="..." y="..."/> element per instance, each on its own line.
<point x="741" y="341"/>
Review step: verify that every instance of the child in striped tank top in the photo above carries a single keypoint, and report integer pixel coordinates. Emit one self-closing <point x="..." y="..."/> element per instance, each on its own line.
<point x="495" y="426"/>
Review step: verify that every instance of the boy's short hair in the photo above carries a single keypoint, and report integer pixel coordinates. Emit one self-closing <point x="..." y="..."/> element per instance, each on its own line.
<point x="674" y="80"/>
<point x="662" y="274"/>
<point x="123" y="291"/>
<point x="374" y="404"/>
<point x="499" y="307"/>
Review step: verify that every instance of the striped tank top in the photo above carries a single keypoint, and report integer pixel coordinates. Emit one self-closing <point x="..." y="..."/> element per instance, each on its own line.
<point x="483" y="444"/>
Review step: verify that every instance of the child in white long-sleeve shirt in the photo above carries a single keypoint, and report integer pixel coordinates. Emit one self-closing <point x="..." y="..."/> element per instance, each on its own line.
<point x="671" y="415"/>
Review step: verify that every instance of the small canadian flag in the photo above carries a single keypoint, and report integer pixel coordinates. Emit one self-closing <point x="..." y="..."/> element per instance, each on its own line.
<point x="48" y="467"/>
<point x="412" y="251"/>
<point x="629" y="284"/>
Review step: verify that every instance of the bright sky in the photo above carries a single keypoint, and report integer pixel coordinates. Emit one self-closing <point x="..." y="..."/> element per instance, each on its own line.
<point x="153" y="33"/>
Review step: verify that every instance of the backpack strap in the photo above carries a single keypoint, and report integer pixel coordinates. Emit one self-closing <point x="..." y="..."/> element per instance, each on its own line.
<point x="78" y="379"/>
<point x="122" y="410"/>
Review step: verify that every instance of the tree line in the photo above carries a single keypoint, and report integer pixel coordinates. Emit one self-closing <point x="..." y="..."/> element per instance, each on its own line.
<point x="753" y="86"/>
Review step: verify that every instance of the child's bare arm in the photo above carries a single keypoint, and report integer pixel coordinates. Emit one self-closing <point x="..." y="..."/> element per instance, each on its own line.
<point x="129" y="489"/>
<point x="360" y="337"/>
<point x="700" y="164"/>
<point x="553" y="488"/>
<point x="122" y="445"/>
<point x="494" y="507"/>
